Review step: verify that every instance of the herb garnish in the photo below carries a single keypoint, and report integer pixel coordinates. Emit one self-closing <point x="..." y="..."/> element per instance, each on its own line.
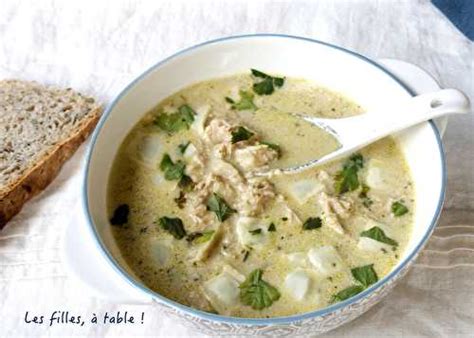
<point x="273" y="146"/>
<point x="312" y="223"/>
<point x="217" y="204"/>
<point x="183" y="146"/>
<point x="120" y="216"/>
<point x="268" y="84"/>
<point x="399" y="209"/>
<point x="256" y="231"/>
<point x="173" y="225"/>
<point x="241" y="134"/>
<point x="347" y="179"/>
<point x="246" y="255"/>
<point x="175" y="122"/>
<point x="245" y="103"/>
<point x="272" y="227"/>
<point x="200" y="237"/>
<point x="173" y="171"/>
<point x="366" y="200"/>
<point x="379" y="235"/>
<point x="347" y="293"/>
<point x="365" y="275"/>
<point x="256" y="292"/>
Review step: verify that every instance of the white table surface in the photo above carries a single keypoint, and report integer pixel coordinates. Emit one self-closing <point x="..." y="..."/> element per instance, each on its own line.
<point x="98" y="47"/>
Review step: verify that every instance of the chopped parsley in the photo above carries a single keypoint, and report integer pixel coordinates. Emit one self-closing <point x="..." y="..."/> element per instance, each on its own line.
<point x="241" y="134"/>
<point x="120" y="216"/>
<point x="256" y="292"/>
<point x="174" y="226"/>
<point x="183" y="146"/>
<point x="365" y="275"/>
<point x="245" y="103"/>
<point x="399" y="209"/>
<point x="347" y="179"/>
<point x="268" y="83"/>
<point x="173" y="171"/>
<point x="256" y="231"/>
<point x="175" y="122"/>
<point x="366" y="200"/>
<point x="379" y="235"/>
<point x="273" y="146"/>
<point x="186" y="183"/>
<point x="347" y="293"/>
<point x="312" y="223"/>
<point x="200" y="237"/>
<point x="272" y="227"/>
<point x="246" y="255"/>
<point x="217" y="204"/>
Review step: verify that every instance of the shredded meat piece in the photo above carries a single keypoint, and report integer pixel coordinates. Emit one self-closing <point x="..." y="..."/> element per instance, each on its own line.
<point x="335" y="208"/>
<point x="255" y="196"/>
<point x="255" y="156"/>
<point x="218" y="131"/>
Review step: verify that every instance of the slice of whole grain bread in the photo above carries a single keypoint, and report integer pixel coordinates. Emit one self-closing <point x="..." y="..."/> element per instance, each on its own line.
<point x="40" y="128"/>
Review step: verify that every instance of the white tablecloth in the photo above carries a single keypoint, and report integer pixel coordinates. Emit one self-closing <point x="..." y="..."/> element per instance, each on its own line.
<point x="98" y="47"/>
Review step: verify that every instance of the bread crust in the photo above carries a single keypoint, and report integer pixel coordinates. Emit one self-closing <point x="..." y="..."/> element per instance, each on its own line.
<point x="44" y="171"/>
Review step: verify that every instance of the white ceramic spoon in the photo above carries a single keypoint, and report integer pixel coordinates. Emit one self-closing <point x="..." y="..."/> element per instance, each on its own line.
<point x="358" y="131"/>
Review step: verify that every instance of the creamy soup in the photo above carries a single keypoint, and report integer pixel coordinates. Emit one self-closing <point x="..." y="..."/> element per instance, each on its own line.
<point x="194" y="223"/>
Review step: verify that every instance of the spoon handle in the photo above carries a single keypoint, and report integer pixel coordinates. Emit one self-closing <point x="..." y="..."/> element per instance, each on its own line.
<point x="358" y="131"/>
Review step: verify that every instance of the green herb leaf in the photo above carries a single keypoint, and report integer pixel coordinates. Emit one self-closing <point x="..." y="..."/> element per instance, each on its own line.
<point x="229" y="100"/>
<point x="255" y="231"/>
<point x="273" y="146"/>
<point x="272" y="227"/>
<point x="186" y="183"/>
<point x="246" y="255"/>
<point x="175" y="122"/>
<point x="173" y="171"/>
<point x="365" y="275"/>
<point x="399" y="209"/>
<point x="245" y="103"/>
<point x="264" y="87"/>
<point x="241" y="134"/>
<point x="379" y="235"/>
<point x="258" y="73"/>
<point x="256" y="292"/>
<point x="200" y="237"/>
<point x="183" y="146"/>
<point x="217" y="204"/>
<point x="268" y="84"/>
<point x="312" y="223"/>
<point x="347" y="293"/>
<point x="174" y="226"/>
<point x="120" y="216"/>
<point x="347" y="179"/>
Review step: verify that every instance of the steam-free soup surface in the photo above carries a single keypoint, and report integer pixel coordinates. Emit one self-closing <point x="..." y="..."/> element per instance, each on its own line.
<point x="195" y="224"/>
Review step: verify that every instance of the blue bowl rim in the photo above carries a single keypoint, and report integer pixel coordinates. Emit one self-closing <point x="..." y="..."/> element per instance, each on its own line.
<point x="255" y="321"/>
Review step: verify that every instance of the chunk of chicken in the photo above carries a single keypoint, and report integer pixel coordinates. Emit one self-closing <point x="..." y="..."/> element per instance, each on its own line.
<point x="218" y="131"/>
<point x="333" y="208"/>
<point x="255" y="196"/>
<point x="255" y="156"/>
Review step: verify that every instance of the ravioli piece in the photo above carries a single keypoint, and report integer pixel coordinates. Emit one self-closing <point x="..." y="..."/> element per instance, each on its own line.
<point x="326" y="260"/>
<point x="298" y="283"/>
<point x="303" y="190"/>
<point x="251" y="231"/>
<point x="223" y="290"/>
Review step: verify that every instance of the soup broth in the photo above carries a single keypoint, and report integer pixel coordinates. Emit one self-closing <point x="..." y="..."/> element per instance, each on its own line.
<point x="195" y="224"/>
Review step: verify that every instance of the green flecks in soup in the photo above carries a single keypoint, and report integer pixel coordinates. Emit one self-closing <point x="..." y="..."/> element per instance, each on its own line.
<point x="194" y="224"/>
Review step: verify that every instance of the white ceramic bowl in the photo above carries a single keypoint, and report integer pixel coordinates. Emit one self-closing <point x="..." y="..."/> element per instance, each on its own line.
<point x="353" y="75"/>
